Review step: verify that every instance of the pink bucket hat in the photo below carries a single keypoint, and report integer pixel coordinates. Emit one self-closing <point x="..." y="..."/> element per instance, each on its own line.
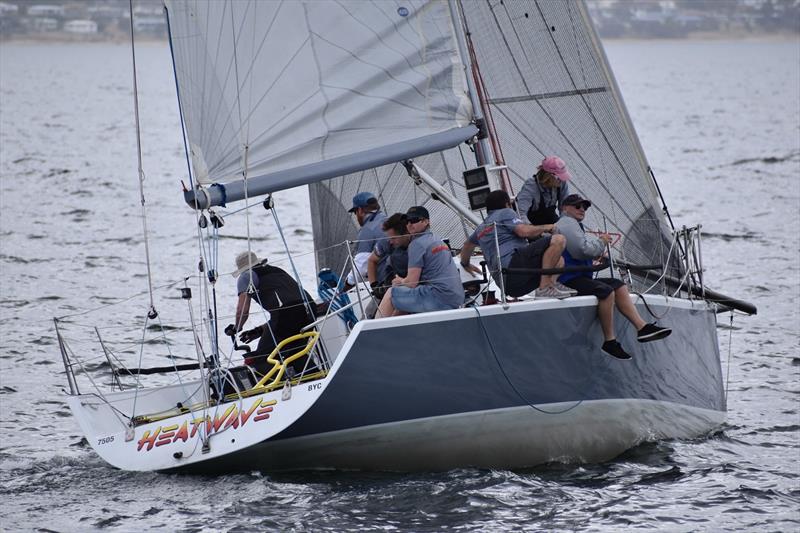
<point x="556" y="166"/>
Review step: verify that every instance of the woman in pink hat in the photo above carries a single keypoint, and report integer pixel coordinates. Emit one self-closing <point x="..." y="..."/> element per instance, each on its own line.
<point x="542" y="194"/>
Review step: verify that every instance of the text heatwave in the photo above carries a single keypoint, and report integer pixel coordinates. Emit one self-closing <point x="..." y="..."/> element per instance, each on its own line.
<point x="230" y="418"/>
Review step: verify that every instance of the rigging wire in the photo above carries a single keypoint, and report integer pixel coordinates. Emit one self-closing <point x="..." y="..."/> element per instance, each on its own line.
<point x="152" y="312"/>
<point x="180" y="106"/>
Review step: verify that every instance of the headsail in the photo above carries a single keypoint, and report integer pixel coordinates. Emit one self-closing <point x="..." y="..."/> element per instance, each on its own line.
<point x="270" y="89"/>
<point x="550" y="92"/>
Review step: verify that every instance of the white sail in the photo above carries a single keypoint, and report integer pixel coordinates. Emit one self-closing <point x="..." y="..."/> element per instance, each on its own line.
<point x="549" y="91"/>
<point x="267" y="87"/>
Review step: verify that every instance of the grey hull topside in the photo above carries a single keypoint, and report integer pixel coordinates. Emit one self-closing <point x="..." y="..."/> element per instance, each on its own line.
<point x="487" y="358"/>
<point x="496" y="387"/>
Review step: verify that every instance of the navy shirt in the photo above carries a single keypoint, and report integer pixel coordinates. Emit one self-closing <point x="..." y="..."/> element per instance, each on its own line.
<point x="393" y="259"/>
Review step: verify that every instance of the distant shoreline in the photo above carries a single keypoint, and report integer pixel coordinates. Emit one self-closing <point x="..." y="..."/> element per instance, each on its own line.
<point x="716" y="36"/>
<point x="70" y="38"/>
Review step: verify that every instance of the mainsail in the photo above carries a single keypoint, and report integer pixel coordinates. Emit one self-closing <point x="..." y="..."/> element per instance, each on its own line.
<point x="287" y="93"/>
<point x="548" y="91"/>
<point x="335" y="94"/>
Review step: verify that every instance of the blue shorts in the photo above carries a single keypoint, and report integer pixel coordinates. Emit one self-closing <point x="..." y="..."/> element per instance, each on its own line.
<point x="420" y="299"/>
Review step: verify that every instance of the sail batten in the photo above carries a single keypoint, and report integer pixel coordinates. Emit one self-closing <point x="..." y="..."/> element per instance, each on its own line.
<point x="545" y="96"/>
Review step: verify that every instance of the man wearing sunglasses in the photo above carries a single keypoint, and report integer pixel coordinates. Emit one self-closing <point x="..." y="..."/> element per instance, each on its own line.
<point x="432" y="282"/>
<point x="581" y="250"/>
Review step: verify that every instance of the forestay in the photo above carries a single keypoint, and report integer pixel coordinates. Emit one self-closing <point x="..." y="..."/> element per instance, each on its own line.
<point x="549" y="91"/>
<point x="271" y="91"/>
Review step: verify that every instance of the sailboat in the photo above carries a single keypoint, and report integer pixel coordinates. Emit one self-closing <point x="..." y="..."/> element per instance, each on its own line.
<point x="430" y="103"/>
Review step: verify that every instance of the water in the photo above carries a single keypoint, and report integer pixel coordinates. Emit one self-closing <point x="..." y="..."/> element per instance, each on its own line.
<point x="720" y="122"/>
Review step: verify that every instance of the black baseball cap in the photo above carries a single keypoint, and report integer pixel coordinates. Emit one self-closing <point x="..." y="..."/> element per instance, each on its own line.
<point x="418" y="211"/>
<point x="577" y="199"/>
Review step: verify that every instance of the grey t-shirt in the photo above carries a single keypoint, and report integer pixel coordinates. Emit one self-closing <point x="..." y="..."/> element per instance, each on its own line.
<point x="483" y="236"/>
<point x="428" y="252"/>
<point x="580" y="244"/>
<point x="371" y="232"/>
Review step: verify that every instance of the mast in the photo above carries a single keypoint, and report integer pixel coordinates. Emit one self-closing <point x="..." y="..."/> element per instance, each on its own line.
<point x="484" y="154"/>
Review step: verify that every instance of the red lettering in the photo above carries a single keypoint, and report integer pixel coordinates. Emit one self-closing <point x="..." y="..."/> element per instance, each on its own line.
<point x="197" y="422"/>
<point x="233" y="420"/>
<point x="218" y="420"/>
<point x="148" y="439"/>
<point x="182" y="433"/>
<point x="263" y="413"/>
<point x="245" y="416"/>
<point x="166" y="435"/>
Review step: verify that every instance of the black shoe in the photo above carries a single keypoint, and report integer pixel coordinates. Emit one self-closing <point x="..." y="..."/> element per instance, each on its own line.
<point x="614" y="349"/>
<point x="651" y="332"/>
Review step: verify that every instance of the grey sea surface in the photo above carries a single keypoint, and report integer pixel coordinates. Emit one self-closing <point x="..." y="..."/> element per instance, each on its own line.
<point x="720" y="123"/>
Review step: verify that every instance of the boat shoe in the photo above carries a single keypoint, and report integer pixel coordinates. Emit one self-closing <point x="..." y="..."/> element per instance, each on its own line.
<point x="651" y="332"/>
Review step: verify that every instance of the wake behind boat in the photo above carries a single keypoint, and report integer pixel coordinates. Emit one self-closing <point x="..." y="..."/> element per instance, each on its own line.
<point x="425" y="103"/>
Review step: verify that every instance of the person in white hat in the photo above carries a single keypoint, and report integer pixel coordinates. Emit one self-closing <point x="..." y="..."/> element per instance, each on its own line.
<point x="290" y="307"/>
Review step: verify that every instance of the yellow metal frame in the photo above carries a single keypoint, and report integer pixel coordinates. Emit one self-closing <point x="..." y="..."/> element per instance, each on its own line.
<point x="278" y="370"/>
<point x="279" y="367"/>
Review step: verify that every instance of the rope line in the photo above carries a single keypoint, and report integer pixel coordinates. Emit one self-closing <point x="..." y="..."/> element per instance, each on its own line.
<point x="503" y="371"/>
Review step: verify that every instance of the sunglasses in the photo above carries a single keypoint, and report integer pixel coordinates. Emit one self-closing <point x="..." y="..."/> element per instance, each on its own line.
<point x="413" y="220"/>
<point x="581" y="206"/>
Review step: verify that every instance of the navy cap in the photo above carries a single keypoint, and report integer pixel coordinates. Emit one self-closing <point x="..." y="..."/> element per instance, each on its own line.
<point x="577" y="199"/>
<point x="363" y="199"/>
<point x="417" y="211"/>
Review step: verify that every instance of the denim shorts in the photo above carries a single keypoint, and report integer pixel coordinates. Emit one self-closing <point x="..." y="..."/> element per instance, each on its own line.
<point x="420" y="299"/>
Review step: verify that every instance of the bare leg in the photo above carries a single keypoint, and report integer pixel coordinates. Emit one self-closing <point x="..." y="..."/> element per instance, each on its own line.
<point x="605" y="311"/>
<point x="386" y="308"/>
<point x="551" y="259"/>
<point x="626" y="307"/>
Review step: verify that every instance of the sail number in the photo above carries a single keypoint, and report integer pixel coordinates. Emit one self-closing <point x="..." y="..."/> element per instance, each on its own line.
<point x="105" y="440"/>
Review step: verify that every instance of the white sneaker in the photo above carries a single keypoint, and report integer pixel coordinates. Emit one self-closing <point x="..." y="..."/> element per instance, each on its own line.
<point x="564" y="288"/>
<point x="551" y="292"/>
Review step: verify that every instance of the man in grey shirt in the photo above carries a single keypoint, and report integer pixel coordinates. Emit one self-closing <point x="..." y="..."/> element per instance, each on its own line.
<point x="505" y="232"/>
<point x="370" y="217"/>
<point x="582" y="249"/>
<point x="432" y="282"/>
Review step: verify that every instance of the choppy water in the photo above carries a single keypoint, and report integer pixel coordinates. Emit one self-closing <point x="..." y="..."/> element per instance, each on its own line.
<point x="720" y="122"/>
